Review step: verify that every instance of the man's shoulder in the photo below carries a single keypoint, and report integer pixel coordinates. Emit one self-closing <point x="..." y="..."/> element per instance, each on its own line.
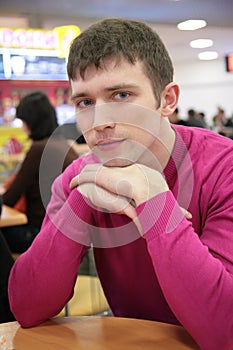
<point x="203" y="140"/>
<point x="186" y="131"/>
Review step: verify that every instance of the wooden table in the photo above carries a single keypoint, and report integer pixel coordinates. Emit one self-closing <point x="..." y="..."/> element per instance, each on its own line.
<point x="95" y="333"/>
<point x="11" y="217"/>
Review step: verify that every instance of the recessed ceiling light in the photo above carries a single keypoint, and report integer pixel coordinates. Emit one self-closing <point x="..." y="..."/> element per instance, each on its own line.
<point x="201" y="43"/>
<point x="208" y="55"/>
<point x="191" y="24"/>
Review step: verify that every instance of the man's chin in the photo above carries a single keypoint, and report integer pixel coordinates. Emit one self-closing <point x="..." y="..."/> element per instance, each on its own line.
<point x="117" y="162"/>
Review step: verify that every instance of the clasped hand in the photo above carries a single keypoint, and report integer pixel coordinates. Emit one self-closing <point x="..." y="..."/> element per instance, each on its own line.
<point x="120" y="189"/>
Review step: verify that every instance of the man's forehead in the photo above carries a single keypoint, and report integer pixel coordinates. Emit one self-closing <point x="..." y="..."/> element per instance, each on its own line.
<point x="108" y="65"/>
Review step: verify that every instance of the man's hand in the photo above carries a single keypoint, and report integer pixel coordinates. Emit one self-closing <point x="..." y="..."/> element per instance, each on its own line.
<point x="136" y="182"/>
<point x="120" y="190"/>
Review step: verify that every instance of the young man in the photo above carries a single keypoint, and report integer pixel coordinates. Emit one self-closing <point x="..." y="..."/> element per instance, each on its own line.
<point x="126" y="198"/>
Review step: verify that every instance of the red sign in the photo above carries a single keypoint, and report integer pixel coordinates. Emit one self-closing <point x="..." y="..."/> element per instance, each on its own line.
<point x="229" y="61"/>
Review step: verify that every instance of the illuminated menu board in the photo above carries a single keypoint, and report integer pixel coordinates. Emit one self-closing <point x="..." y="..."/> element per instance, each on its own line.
<point x="32" y="65"/>
<point x="35" y="54"/>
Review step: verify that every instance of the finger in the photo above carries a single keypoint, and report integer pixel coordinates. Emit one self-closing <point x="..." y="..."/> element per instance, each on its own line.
<point x="74" y="182"/>
<point x="111" y="202"/>
<point x="127" y="209"/>
<point x="103" y="198"/>
<point x="132" y="214"/>
<point x="186" y="213"/>
<point x="99" y="175"/>
<point x="139" y="227"/>
<point x="89" y="168"/>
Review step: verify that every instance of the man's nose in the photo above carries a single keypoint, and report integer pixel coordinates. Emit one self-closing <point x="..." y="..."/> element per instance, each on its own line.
<point x="103" y="117"/>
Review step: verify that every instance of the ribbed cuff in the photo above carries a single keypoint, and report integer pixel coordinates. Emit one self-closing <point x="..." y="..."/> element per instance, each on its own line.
<point x="159" y="215"/>
<point x="80" y="205"/>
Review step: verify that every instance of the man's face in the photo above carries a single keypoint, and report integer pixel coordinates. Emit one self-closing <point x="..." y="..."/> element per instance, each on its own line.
<point x="116" y="112"/>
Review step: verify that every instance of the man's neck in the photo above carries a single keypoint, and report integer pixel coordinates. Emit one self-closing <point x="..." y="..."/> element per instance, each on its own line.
<point x="160" y="151"/>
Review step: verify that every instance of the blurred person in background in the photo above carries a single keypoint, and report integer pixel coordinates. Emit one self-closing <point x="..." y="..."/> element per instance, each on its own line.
<point x="222" y="124"/>
<point x="202" y="117"/>
<point x="193" y="119"/>
<point x="219" y="121"/>
<point x="47" y="157"/>
<point x="174" y="118"/>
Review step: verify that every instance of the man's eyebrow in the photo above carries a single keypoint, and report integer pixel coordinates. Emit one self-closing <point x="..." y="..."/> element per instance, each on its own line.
<point x="120" y="86"/>
<point x="81" y="94"/>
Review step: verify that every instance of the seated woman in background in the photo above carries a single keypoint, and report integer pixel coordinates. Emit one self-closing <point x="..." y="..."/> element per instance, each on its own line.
<point x="47" y="157"/>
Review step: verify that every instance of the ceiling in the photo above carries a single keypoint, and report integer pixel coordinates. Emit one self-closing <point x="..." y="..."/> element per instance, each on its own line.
<point x="162" y="15"/>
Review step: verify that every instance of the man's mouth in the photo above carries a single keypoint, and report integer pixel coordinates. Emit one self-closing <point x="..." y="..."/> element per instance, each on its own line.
<point x="108" y="143"/>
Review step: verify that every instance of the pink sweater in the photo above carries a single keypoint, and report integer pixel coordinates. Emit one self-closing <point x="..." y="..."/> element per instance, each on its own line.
<point x="181" y="273"/>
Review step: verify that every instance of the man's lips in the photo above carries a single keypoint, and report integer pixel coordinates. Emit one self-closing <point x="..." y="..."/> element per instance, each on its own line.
<point x="110" y="143"/>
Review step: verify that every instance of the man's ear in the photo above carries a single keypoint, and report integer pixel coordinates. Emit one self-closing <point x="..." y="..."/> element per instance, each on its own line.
<point x="169" y="99"/>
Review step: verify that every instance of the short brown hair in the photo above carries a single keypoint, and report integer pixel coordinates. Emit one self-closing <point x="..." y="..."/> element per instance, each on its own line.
<point x="132" y="40"/>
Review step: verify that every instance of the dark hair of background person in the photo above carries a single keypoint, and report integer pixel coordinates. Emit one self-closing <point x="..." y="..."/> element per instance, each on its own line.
<point x="38" y="113"/>
<point x="131" y="40"/>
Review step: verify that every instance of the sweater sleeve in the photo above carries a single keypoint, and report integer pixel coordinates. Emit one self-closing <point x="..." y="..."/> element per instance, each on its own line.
<point x="197" y="283"/>
<point x="24" y="177"/>
<point x="43" y="278"/>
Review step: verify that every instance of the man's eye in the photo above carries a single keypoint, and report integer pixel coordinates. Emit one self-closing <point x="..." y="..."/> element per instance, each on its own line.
<point x="122" y="95"/>
<point x="84" y="103"/>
